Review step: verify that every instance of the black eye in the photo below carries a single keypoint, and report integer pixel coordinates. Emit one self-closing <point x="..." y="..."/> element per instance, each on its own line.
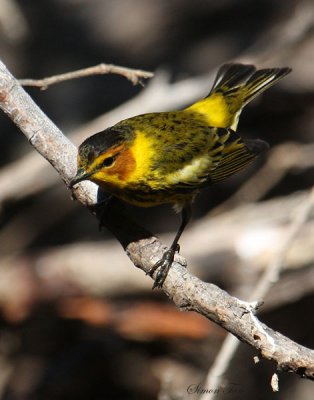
<point x="108" y="162"/>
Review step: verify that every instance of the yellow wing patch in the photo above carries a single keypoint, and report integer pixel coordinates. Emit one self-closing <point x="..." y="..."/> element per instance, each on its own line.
<point x="215" y="110"/>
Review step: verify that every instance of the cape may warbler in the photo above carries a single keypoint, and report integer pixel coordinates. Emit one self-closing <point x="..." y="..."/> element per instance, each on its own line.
<point x="168" y="157"/>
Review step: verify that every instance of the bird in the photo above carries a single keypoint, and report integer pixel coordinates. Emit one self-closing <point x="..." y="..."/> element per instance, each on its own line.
<point x="169" y="157"/>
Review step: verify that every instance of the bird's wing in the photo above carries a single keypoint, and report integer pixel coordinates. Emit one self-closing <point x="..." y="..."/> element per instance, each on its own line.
<point x="227" y="154"/>
<point x="233" y="154"/>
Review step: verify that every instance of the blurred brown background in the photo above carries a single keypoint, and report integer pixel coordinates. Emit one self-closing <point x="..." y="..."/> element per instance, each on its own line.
<point x="78" y="321"/>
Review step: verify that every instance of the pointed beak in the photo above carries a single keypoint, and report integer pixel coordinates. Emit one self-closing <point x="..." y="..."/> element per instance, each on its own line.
<point x="80" y="176"/>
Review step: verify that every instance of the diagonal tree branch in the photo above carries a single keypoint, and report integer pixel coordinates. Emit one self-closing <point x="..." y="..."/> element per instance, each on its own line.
<point x="266" y="281"/>
<point x="159" y="94"/>
<point x="187" y="291"/>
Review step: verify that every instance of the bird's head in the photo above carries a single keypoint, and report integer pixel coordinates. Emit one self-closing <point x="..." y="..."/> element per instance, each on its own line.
<point x="105" y="158"/>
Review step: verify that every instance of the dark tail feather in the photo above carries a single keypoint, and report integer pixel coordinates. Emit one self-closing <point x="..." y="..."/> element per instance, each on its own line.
<point x="240" y="83"/>
<point x="262" y="80"/>
<point x="231" y="76"/>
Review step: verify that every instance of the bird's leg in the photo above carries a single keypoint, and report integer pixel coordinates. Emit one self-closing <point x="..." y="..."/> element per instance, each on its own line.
<point x="165" y="262"/>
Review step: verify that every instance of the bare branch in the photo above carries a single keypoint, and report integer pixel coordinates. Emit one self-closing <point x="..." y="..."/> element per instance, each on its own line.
<point x="187" y="291"/>
<point x="267" y="280"/>
<point x="226" y="245"/>
<point x="133" y="75"/>
<point x="163" y="96"/>
<point x="159" y="94"/>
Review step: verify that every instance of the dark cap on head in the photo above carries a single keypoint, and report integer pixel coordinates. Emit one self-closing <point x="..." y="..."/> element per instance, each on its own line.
<point x="102" y="141"/>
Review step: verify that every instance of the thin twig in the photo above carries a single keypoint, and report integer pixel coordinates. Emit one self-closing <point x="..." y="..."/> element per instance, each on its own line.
<point x="159" y="94"/>
<point x="267" y="280"/>
<point x="186" y="291"/>
<point x="134" y="75"/>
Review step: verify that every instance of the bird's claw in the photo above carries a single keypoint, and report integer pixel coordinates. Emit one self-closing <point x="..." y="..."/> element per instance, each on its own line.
<point x="164" y="265"/>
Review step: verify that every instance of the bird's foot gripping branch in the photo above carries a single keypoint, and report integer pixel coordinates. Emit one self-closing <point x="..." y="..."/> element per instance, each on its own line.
<point x="168" y="157"/>
<point x="187" y="291"/>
